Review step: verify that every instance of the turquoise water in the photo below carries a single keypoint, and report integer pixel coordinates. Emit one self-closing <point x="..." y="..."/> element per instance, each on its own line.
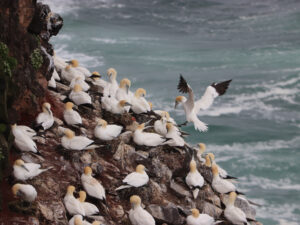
<point x="254" y="129"/>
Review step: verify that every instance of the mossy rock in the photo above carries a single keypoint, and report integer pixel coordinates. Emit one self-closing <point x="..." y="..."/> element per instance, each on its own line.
<point x="36" y="59"/>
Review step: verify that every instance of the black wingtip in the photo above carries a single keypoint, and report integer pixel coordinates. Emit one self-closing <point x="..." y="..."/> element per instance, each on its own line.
<point x="221" y="87"/>
<point x="231" y="177"/>
<point x="182" y="85"/>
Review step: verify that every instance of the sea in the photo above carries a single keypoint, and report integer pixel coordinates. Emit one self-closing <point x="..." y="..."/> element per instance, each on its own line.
<point x="254" y="128"/>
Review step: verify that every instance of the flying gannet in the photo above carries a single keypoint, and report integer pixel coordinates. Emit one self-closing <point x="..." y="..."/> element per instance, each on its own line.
<point x="194" y="179"/>
<point x="138" y="215"/>
<point x="139" y="103"/>
<point x="45" y="119"/>
<point x="191" y="107"/>
<point x="89" y="208"/>
<point x="24" y="191"/>
<point x="71" y="116"/>
<point x="72" y="204"/>
<point x="71" y="142"/>
<point x="106" y="132"/>
<point x="80" y="97"/>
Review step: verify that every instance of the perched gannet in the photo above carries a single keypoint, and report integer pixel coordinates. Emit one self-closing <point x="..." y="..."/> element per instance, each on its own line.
<point x="71" y="142"/>
<point x="81" y="82"/>
<point x="223" y="173"/>
<point x="112" y="86"/>
<point x="24" y="191"/>
<point x="91" y="185"/>
<point x="22" y="140"/>
<point x="139" y="103"/>
<point x="106" y="132"/>
<point x="166" y="114"/>
<point x="147" y="139"/>
<point x="123" y="92"/>
<point x="194" y="179"/>
<point x="160" y="125"/>
<point x="69" y="73"/>
<point x="52" y="83"/>
<point x="75" y="64"/>
<point x="234" y="214"/>
<point x="89" y="208"/>
<point x="119" y="107"/>
<point x="107" y="102"/>
<point x="96" y="77"/>
<point x="45" y="119"/>
<point x="200" y="219"/>
<point x="138" y="215"/>
<point x="79" y="97"/>
<point x="71" y="116"/>
<point x="135" y="179"/>
<point x="191" y="107"/>
<point x="72" y="204"/>
<point x="59" y="63"/>
<point x="26" y="130"/>
<point x="24" y="171"/>
<point x="221" y="185"/>
<point x="199" y="151"/>
<point x="176" y="139"/>
<point x="78" y="220"/>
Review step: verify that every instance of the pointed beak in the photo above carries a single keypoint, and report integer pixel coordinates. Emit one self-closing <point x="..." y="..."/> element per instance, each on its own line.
<point x="127" y="104"/>
<point x="68" y="62"/>
<point x="48" y="110"/>
<point x="176" y="103"/>
<point x="24" y="167"/>
<point x="95" y="76"/>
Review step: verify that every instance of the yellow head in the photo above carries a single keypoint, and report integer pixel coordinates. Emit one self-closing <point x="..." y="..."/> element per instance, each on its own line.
<point x="125" y="83"/>
<point x="96" y="223"/>
<point x="124" y="103"/>
<point x="77" y="88"/>
<point x="15" y="189"/>
<point x="82" y="196"/>
<point x="46" y="107"/>
<point x="74" y="63"/>
<point x="70" y="189"/>
<point x="207" y="161"/>
<point x="141" y="126"/>
<point x="70" y="134"/>
<point x="102" y="123"/>
<point x="68" y="67"/>
<point x="112" y="73"/>
<point x="140" y="168"/>
<point x="88" y="170"/>
<point x="195" y="213"/>
<point x="179" y="99"/>
<point x="135" y="200"/>
<point x="96" y="74"/>
<point x="169" y="126"/>
<point x="193" y="166"/>
<point x="202" y="147"/>
<point x="232" y="198"/>
<point x="78" y="220"/>
<point x="69" y="105"/>
<point x="140" y="92"/>
<point x="167" y="115"/>
<point x="19" y="162"/>
<point x="215" y="170"/>
<point x="211" y="155"/>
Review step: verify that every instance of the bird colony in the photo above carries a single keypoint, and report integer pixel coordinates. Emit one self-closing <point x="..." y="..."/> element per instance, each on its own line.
<point x="87" y="200"/>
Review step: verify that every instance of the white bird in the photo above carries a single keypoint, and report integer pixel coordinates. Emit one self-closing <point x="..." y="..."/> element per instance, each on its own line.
<point x="81" y="82"/>
<point x="22" y="140"/>
<point x="59" y="63"/>
<point x="96" y="77"/>
<point x="160" y="125"/>
<point x="194" y="179"/>
<point x="199" y="151"/>
<point x="71" y="142"/>
<point x="26" y="130"/>
<point x="72" y="204"/>
<point x="71" y="116"/>
<point x="107" y="102"/>
<point x="75" y="64"/>
<point x="176" y="139"/>
<point x="234" y="214"/>
<point x="24" y="191"/>
<point x="45" y="119"/>
<point x="166" y="114"/>
<point x="91" y="185"/>
<point x="223" y="173"/>
<point x="23" y="171"/>
<point x="120" y="107"/>
<point x="191" y="107"/>
<point x="78" y="220"/>
<point x="123" y="92"/>
<point x="79" y="97"/>
<point x="200" y="219"/>
<point x="52" y="83"/>
<point x="69" y="73"/>
<point x="139" y="103"/>
<point x="147" y="139"/>
<point x="138" y="215"/>
<point x="106" y="132"/>
<point x="112" y="86"/>
<point x="135" y="179"/>
<point x="55" y="75"/>
<point x="89" y="208"/>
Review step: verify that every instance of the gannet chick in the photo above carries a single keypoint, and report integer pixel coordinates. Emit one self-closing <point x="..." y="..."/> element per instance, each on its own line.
<point x="22" y="140"/>
<point x="176" y="139"/>
<point x="75" y="64"/>
<point x="194" y="179"/>
<point x="71" y="116"/>
<point x="139" y="103"/>
<point x="106" y="132"/>
<point x="69" y="73"/>
<point x="112" y="87"/>
<point x="81" y="82"/>
<point x="89" y="208"/>
<point x="24" y="191"/>
<point x="23" y="171"/>
<point x="59" y="62"/>
<point x="71" y="142"/>
<point x="52" y="83"/>
<point x="26" y="130"/>
<point x="135" y="179"/>
<point x="79" y="97"/>
<point x="234" y="214"/>
<point x="45" y="119"/>
<point x="73" y="205"/>
<point x="191" y="107"/>
<point x="200" y="219"/>
<point x="160" y="125"/>
<point x="147" y="139"/>
<point x="123" y="92"/>
<point x="138" y="215"/>
<point x="223" y="173"/>
<point x="91" y="185"/>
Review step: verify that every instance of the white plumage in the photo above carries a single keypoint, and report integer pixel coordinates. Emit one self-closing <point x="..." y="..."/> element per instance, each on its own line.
<point x="139" y="103"/>
<point x="52" y="83"/>
<point x="91" y="185"/>
<point x="112" y="86"/>
<point x="24" y="191"/>
<point x="234" y="214"/>
<point x="71" y="116"/>
<point x="89" y="208"/>
<point x="69" y="73"/>
<point x="219" y="184"/>
<point x="78" y="220"/>
<point x="71" y="142"/>
<point x="23" y="141"/>
<point x="45" y="118"/>
<point x="72" y="204"/>
<point x="59" y="63"/>
<point x="194" y="179"/>
<point x="160" y="126"/>
<point x="27" y="130"/>
<point x="199" y="219"/>
<point x="79" y="97"/>
<point x="147" y="139"/>
<point x="107" y="132"/>
<point x="176" y="139"/>
<point x="138" y="215"/>
<point x="81" y="82"/>
<point x="55" y="75"/>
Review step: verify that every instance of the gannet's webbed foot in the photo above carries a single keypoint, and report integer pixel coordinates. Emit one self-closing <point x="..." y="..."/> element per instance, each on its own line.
<point x="183" y="124"/>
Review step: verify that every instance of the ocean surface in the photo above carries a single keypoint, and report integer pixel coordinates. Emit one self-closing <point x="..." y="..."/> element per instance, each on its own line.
<point x="254" y="129"/>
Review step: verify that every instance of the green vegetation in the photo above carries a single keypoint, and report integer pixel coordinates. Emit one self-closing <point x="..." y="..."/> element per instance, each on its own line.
<point x="7" y="63"/>
<point x="36" y="59"/>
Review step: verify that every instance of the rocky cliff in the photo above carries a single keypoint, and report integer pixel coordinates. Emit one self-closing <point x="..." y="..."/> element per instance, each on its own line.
<point x="26" y="65"/>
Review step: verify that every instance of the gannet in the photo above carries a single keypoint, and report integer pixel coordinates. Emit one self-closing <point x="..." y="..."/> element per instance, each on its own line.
<point x="75" y="64"/>
<point x="59" y="63"/>
<point x="199" y="151"/>
<point x="123" y="92"/>
<point x="71" y="142"/>
<point x="79" y="97"/>
<point x="138" y="215"/>
<point x="165" y="113"/>
<point x="98" y="81"/>
<point x="22" y="140"/>
<point x="24" y="191"/>
<point x="81" y="82"/>
<point x="52" y="83"/>
<point x="45" y="119"/>
<point x="91" y="185"/>
<point x="112" y="86"/>
<point x="191" y="107"/>
<point x="194" y="179"/>
<point x="135" y="179"/>
<point x="78" y="220"/>
<point x="139" y="103"/>
<point x="71" y="116"/>
<point x="55" y="75"/>
<point x="160" y="125"/>
<point x="23" y="171"/>
<point x="107" y="102"/>
<point x="89" y="208"/>
<point x="26" y="130"/>
<point x="221" y="185"/>
<point x="106" y="132"/>
<point x="72" y="204"/>
<point x="147" y="139"/>
<point x="176" y="139"/>
<point x="200" y="219"/>
<point x="234" y="214"/>
<point x="223" y="173"/>
<point x="69" y="73"/>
